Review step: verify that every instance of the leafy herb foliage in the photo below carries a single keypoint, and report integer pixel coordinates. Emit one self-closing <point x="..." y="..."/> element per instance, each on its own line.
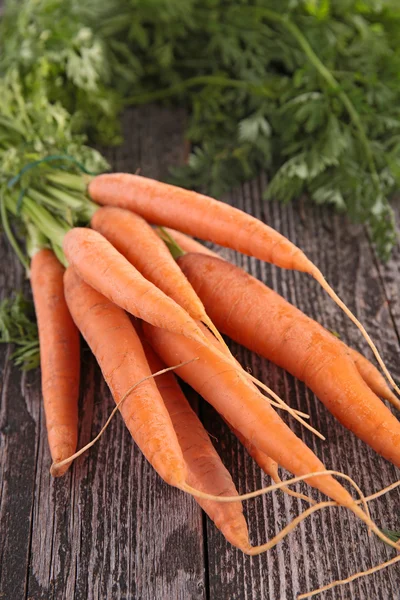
<point x="18" y="326"/>
<point x="307" y="90"/>
<point x="392" y="535"/>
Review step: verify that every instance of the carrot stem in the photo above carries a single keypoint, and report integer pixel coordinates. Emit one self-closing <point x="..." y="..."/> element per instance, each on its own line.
<point x="10" y="236"/>
<point x="261" y="90"/>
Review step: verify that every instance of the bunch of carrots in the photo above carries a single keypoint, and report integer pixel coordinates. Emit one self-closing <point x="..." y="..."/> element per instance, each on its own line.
<point x="151" y="303"/>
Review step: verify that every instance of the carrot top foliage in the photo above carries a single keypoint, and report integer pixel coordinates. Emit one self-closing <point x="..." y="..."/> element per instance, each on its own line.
<point x="307" y="90"/>
<point x="18" y="327"/>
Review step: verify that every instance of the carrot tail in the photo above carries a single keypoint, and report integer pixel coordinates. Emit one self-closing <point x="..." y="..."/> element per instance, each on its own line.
<point x="255" y="550"/>
<point x="333" y="584"/>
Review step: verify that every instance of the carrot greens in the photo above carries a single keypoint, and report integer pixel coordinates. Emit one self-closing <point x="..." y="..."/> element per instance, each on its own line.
<point x="18" y="327"/>
<point x="306" y="90"/>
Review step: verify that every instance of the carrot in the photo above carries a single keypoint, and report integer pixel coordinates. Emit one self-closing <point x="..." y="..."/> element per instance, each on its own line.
<point x="367" y="370"/>
<point x="209" y="219"/>
<point x="257" y="317"/>
<point x="214" y="377"/>
<point x="269" y="466"/>
<point x="119" y="352"/>
<point x="100" y="265"/>
<point x="206" y="471"/>
<point x="59" y="356"/>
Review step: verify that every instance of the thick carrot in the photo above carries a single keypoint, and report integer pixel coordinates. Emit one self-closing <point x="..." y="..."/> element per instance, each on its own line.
<point x="214" y="377"/>
<point x="209" y="219"/>
<point x="367" y="370"/>
<point x="206" y="471"/>
<point x="257" y="317"/>
<point x="133" y="237"/>
<point x="59" y="356"/>
<point x="119" y="352"/>
<point x="99" y="264"/>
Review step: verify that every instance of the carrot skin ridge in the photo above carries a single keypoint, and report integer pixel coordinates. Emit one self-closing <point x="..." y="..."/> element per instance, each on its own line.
<point x="290" y="339"/>
<point x="118" y="350"/>
<point x="59" y="354"/>
<point x="167" y="205"/>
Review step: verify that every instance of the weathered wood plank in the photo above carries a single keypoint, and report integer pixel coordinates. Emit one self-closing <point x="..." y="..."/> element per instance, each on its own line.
<point x="332" y="544"/>
<point x="111" y="528"/>
<point x="18" y="447"/>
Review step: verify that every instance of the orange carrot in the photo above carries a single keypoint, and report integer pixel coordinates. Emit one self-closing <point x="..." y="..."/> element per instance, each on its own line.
<point x="367" y="370"/>
<point x="119" y="352"/>
<point x="133" y="237"/>
<point x="269" y="466"/>
<point x="206" y="471"/>
<point x="209" y="219"/>
<point x="59" y="356"/>
<point x="214" y="377"/>
<point x="257" y="317"/>
<point x="99" y="264"/>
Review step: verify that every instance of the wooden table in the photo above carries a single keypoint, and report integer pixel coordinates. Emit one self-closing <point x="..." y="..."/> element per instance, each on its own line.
<point x="111" y="529"/>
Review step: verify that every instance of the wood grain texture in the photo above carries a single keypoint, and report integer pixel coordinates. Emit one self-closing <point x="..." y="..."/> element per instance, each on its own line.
<point x="111" y="529"/>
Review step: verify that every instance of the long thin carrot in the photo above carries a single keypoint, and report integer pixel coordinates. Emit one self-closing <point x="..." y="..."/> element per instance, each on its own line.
<point x="206" y="471"/>
<point x="209" y="219"/>
<point x="257" y="317"/>
<point x="119" y="352"/>
<point x="59" y="355"/>
<point x="214" y="377"/>
<point x="367" y="370"/>
<point x="269" y="466"/>
<point x="99" y="264"/>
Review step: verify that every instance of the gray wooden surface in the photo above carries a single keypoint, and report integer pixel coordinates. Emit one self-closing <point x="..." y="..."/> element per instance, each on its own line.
<point x="112" y="529"/>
